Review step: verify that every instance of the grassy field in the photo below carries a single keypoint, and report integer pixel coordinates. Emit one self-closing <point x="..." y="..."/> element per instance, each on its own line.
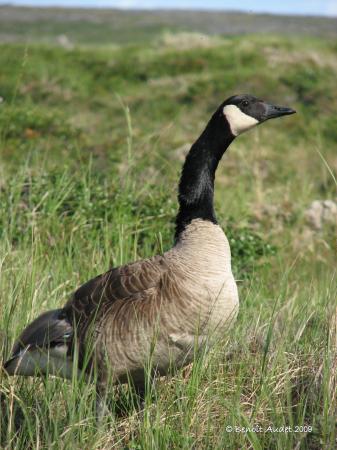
<point x="92" y="139"/>
<point x="106" y="26"/>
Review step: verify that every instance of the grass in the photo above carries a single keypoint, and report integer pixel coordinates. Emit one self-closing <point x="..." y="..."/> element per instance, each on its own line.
<point x="92" y="27"/>
<point x="92" y="141"/>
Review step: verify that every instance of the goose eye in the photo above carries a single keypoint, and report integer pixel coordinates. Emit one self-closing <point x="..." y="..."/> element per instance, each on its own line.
<point x="245" y="103"/>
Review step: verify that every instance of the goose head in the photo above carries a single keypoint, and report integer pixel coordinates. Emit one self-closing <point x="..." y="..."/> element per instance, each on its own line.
<point x="243" y="112"/>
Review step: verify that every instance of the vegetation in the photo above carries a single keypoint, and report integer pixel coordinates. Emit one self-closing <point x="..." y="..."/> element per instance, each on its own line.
<point x="92" y="141"/>
<point x="113" y="26"/>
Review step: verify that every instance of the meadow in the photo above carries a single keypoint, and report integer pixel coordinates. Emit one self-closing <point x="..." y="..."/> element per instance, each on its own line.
<point x="92" y="139"/>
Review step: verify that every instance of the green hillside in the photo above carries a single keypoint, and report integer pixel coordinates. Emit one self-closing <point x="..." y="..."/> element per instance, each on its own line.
<point x="109" y="26"/>
<point x="92" y="139"/>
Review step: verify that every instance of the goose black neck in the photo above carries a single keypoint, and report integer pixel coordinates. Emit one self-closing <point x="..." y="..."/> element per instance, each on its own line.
<point x="196" y="186"/>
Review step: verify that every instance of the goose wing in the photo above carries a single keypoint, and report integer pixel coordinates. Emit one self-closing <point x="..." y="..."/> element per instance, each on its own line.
<point x="121" y="283"/>
<point x="129" y="283"/>
<point x="58" y="328"/>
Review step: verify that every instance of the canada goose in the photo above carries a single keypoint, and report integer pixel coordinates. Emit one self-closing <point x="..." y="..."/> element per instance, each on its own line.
<point x="162" y="305"/>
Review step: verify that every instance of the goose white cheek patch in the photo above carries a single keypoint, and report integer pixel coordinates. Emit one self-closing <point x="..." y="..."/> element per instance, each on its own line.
<point x="239" y="122"/>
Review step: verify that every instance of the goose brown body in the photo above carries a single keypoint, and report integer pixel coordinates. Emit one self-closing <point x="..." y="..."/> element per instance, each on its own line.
<point x="162" y="306"/>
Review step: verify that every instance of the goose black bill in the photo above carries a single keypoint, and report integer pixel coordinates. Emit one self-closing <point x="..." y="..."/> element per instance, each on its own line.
<point x="273" y="111"/>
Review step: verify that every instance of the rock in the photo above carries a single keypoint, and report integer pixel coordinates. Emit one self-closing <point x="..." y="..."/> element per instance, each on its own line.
<point x="321" y="212"/>
<point x="65" y="42"/>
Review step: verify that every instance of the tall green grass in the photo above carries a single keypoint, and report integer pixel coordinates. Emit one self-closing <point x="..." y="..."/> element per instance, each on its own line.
<point x="92" y="142"/>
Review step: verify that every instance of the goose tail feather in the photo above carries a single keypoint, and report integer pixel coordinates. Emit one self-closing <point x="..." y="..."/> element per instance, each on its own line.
<point x="43" y="347"/>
